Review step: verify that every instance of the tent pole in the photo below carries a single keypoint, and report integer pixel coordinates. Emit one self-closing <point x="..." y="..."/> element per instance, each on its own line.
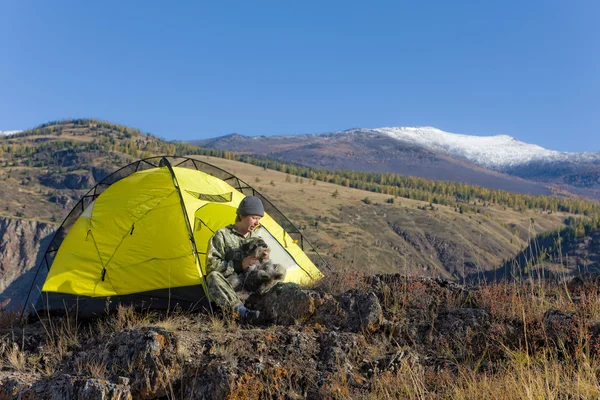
<point x="165" y="162"/>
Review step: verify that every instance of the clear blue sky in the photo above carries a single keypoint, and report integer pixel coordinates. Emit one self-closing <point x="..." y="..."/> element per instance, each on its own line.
<point x="191" y="70"/>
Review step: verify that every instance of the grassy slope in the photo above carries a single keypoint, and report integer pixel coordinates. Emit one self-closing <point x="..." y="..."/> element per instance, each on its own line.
<point x="360" y="233"/>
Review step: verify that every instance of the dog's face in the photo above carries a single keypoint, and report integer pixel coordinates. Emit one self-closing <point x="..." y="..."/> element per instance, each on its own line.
<point x="256" y="247"/>
<point x="262" y="253"/>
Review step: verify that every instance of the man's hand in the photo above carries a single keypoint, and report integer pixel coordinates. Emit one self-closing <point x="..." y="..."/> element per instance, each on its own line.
<point x="248" y="261"/>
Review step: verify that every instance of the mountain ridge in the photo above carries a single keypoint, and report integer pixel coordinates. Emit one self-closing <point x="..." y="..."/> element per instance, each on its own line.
<point x="430" y="153"/>
<point x="453" y="143"/>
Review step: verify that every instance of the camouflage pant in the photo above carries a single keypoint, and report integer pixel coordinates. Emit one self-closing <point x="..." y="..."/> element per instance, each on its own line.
<point x="220" y="291"/>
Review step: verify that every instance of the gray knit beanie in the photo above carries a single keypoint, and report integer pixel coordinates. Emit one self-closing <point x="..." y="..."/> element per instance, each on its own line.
<point x="251" y="205"/>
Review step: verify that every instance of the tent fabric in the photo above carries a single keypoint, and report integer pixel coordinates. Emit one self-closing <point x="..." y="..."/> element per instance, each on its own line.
<point x="148" y="232"/>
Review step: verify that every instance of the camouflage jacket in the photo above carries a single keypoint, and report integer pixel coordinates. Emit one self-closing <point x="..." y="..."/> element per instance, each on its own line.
<point x="224" y="254"/>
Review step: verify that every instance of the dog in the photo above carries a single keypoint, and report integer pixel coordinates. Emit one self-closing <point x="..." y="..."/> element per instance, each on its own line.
<point x="260" y="276"/>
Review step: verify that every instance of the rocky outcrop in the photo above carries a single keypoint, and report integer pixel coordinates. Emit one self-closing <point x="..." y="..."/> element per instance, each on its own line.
<point x="99" y="173"/>
<point x="350" y="343"/>
<point x="63" y="200"/>
<point x="139" y="363"/>
<point x="288" y="304"/>
<point x="63" y="387"/>
<point x="71" y="180"/>
<point x="20" y="244"/>
<point x="562" y="327"/>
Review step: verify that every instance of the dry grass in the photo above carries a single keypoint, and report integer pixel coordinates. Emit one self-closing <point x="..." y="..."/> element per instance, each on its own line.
<point x="523" y="377"/>
<point x="15" y="357"/>
<point x="93" y="366"/>
<point x="533" y="369"/>
<point x="408" y="382"/>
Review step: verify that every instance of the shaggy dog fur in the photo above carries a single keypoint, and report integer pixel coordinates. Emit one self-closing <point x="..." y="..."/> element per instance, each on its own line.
<point x="260" y="276"/>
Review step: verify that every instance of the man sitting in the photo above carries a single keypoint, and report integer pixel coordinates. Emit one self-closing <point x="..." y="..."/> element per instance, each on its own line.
<point x="225" y="257"/>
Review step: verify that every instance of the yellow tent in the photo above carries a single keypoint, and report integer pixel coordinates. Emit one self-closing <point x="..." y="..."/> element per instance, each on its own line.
<point x="140" y="236"/>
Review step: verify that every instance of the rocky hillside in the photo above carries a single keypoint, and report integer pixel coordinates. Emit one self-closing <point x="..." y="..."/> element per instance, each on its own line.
<point x="381" y="337"/>
<point x="46" y="170"/>
<point x="20" y="244"/>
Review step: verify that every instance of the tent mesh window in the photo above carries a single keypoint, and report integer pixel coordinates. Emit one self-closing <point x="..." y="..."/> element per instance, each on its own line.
<point x="215" y="198"/>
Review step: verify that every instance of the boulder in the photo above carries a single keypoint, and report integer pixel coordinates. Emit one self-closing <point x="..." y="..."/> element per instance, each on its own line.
<point x="146" y="357"/>
<point x="150" y="356"/>
<point x="285" y="303"/>
<point x="562" y="328"/>
<point x="588" y="282"/>
<point x="71" y="180"/>
<point x="289" y="304"/>
<point x="352" y="311"/>
<point x="464" y="331"/>
<point x="63" y="387"/>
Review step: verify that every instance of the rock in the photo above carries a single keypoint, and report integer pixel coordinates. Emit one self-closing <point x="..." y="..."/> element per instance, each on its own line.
<point x="594" y="334"/>
<point x="391" y="362"/>
<point x="123" y="380"/>
<point x="213" y="382"/>
<point x="352" y="311"/>
<point x="100" y="173"/>
<point x="562" y="328"/>
<point x="339" y="350"/>
<point x="69" y="158"/>
<point x="96" y="389"/>
<point x="285" y="303"/>
<point x="20" y="244"/>
<point x="11" y="386"/>
<point x="289" y="304"/>
<point x="584" y="282"/>
<point x="71" y="180"/>
<point x="63" y="387"/>
<point x="150" y="354"/>
<point x="432" y="292"/>
<point x="65" y="201"/>
<point x="145" y="358"/>
<point x="464" y="331"/>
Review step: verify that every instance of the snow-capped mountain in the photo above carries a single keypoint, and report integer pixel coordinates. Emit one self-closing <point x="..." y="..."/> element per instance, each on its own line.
<point x="499" y="162"/>
<point x="497" y="152"/>
<point x="6" y="133"/>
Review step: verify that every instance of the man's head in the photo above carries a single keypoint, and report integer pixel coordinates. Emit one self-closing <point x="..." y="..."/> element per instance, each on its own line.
<point x="251" y="205"/>
<point x="249" y="213"/>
